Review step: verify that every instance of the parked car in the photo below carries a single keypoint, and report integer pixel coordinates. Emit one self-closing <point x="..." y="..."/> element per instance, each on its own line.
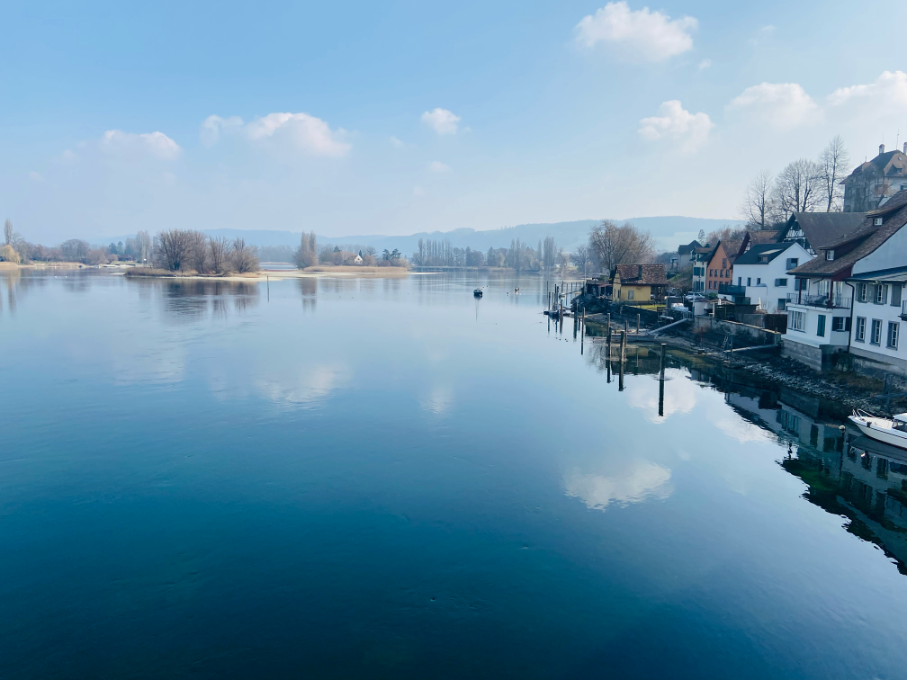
<point x="692" y="297"/>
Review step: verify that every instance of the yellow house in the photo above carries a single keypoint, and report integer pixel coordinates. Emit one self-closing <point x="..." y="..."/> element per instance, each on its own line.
<point x="638" y="283"/>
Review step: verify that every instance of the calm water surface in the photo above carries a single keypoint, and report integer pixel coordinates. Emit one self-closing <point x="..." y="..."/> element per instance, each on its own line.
<point x="389" y="479"/>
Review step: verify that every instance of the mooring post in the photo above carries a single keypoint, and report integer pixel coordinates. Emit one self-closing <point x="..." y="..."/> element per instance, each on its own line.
<point x="662" y="363"/>
<point x="638" y="324"/>
<point x="661" y="397"/>
<point x="621" y="362"/>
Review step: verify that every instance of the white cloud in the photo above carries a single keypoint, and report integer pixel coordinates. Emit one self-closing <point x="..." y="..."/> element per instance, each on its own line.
<point x="419" y="191"/>
<point x="764" y="33"/>
<point x="214" y="126"/>
<point x="639" y="35"/>
<point x="438" y="166"/>
<point x="781" y="105"/>
<point x="675" y="124"/>
<point x="442" y="121"/>
<point x="635" y="484"/>
<point x="308" y="134"/>
<point x="155" y="144"/>
<point x="68" y="157"/>
<point x="35" y="176"/>
<point x="705" y="64"/>
<point x="396" y="142"/>
<point x="886" y="93"/>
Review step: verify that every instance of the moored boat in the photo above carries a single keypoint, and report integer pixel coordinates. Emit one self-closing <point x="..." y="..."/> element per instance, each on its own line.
<point x="892" y="431"/>
<point x="477" y="292"/>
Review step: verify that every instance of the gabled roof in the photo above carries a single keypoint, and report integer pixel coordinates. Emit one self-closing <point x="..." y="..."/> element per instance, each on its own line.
<point x="870" y="238"/>
<point x="642" y="274"/>
<point x="764" y="236"/>
<point x="770" y="250"/>
<point x="892" y="205"/>
<point x="821" y="228"/>
<point x="889" y="164"/>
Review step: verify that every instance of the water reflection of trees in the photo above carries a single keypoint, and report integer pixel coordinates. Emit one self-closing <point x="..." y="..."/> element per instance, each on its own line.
<point x="308" y="287"/>
<point x="188" y="300"/>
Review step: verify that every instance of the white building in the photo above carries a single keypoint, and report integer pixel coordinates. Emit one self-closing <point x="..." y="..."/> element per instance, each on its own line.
<point x="761" y="274"/>
<point x="822" y="320"/>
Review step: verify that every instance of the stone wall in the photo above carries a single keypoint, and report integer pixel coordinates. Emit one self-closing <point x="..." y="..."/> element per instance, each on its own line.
<point x="742" y="334"/>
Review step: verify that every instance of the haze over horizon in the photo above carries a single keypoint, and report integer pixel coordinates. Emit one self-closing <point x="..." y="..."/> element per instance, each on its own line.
<point x="398" y="119"/>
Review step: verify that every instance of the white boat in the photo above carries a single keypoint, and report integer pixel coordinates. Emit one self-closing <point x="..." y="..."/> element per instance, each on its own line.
<point x="889" y="431"/>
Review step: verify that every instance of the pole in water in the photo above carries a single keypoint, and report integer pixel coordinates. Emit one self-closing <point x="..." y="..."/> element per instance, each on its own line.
<point x="268" y="287"/>
<point x="662" y="365"/>
<point x="661" y="397"/>
<point x="621" y="362"/>
<point x="638" y="324"/>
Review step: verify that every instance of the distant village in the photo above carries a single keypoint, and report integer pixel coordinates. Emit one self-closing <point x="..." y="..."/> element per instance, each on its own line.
<point x="829" y="285"/>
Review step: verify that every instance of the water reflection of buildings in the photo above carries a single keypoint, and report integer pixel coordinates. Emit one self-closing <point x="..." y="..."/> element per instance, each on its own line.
<point x="846" y="474"/>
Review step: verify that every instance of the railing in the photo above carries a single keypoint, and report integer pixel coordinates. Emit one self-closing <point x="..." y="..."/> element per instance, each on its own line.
<point x="829" y="301"/>
<point x="730" y="289"/>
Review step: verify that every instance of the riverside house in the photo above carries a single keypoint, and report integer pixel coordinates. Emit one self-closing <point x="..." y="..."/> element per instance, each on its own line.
<point x="638" y="283"/>
<point x="719" y="264"/>
<point x="761" y="275"/>
<point x="821" y="319"/>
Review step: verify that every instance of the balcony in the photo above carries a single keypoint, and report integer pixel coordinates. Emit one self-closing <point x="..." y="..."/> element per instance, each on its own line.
<point x="827" y="301"/>
<point x="729" y="289"/>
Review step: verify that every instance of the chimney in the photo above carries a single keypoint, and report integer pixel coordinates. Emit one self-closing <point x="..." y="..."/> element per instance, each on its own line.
<point x="882" y="149"/>
<point x="639" y="271"/>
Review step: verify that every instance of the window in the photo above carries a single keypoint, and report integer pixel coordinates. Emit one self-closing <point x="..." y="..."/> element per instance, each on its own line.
<point x="791" y="263"/>
<point x="748" y="280"/>
<point x="630" y="295"/>
<point x="879" y="295"/>
<point x="841" y="323"/>
<point x="780" y="304"/>
<point x="739" y="280"/>
<point x="724" y="263"/>
<point x="860" y="328"/>
<point x="896" y="296"/>
<point x="892" y="337"/>
<point x="862" y="292"/>
<point x="821" y="325"/>
<point x="876" y="330"/>
<point x="830" y="254"/>
<point x="878" y="221"/>
<point x="797" y="320"/>
<point x="781" y="283"/>
<point x="758" y="281"/>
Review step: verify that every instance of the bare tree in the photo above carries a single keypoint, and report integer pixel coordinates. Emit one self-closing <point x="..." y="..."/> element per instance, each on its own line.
<point x="581" y="258"/>
<point x="798" y="187"/>
<point x="758" y="207"/>
<point x="144" y="246"/>
<point x="834" y="162"/>
<point x="218" y="248"/>
<point x="172" y="249"/>
<point x="613" y="245"/>
<point x="307" y="253"/>
<point x="244" y="258"/>
<point x="8" y="231"/>
<point x="198" y="251"/>
<point x="74" y="250"/>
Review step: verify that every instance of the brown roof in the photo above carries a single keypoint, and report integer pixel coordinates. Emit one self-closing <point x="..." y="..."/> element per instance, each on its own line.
<point x="642" y="274"/>
<point x="888" y="164"/>
<point x="867" y="240"/>
<point x="821" y="228"/>
<point x="764" y="236"/>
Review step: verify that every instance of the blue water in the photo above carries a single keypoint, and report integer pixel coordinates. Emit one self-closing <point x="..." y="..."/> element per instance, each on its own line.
<point x="386" y="478"/>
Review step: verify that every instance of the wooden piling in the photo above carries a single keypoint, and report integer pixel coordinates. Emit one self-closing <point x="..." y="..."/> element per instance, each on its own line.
<point x="621" y="361"/>
<point x="662" y="363"/>
<point x="638" y="324"/>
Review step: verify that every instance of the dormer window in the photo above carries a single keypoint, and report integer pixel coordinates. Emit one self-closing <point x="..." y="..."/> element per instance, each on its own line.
<point x="878" y="221"/>
<point x="830" y="254"/>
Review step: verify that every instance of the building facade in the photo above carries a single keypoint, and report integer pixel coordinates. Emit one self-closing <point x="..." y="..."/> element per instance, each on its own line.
<point x="822" y="318"/>
<point x="761" y="274"/>
<point x="719" y="268"/>
<point x="871" y="183"/>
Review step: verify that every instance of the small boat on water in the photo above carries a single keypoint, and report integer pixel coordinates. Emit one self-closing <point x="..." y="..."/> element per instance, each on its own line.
<point x="889" y="431"/>
<point x="477" y="293"/>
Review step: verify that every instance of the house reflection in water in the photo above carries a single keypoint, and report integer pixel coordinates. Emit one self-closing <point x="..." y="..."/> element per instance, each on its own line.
<point x="846" y="474"/>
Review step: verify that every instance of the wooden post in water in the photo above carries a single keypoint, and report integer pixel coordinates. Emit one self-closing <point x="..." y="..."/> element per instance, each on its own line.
<point x="662" y="363"/>
<point x="638" y="324"/>
<point x="621" y="361"/>
<point x="268" y="287"/>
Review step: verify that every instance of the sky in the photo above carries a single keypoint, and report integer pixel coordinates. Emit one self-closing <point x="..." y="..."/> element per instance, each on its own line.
<point x="395" y="118"/>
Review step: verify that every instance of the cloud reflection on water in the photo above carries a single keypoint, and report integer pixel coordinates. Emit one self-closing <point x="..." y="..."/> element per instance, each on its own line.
<point x="639" y="482"/>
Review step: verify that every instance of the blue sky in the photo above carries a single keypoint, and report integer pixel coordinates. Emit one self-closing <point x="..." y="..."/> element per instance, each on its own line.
<point x="396" y="118"/>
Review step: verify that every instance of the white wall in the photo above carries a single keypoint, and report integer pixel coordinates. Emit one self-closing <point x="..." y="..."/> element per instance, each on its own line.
<point x="890" y="255"/>
<point x="767" y="292"/>
<point x="886" y="314"/>
<point x="809" y="335"/>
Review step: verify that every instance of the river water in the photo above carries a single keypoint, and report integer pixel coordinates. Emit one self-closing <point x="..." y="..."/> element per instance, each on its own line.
<point x="387" y="478"/>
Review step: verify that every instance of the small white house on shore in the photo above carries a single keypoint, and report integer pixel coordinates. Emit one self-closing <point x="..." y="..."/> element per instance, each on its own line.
<point x="761" y="273"/>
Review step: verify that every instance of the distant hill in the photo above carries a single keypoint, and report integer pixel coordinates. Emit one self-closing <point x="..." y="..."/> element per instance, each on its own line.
<point x="669" y="232"/>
